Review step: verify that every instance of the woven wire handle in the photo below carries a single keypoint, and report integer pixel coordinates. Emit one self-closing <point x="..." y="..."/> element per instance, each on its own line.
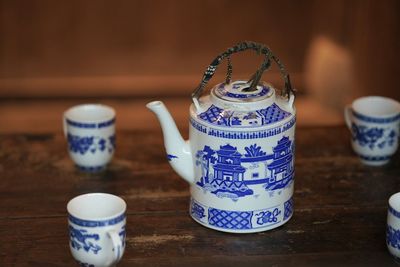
<point x="255" y="78"/>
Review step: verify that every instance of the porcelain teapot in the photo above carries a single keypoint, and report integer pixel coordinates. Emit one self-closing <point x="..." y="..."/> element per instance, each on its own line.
<point x="239" y="159"/>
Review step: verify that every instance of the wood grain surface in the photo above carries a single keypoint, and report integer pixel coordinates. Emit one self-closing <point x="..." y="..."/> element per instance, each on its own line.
<point x="339" y="218"/>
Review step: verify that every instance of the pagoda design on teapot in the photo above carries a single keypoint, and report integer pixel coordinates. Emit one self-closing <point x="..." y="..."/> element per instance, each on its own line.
<point x="239" y="159"/>
<point x="228" y="173"/>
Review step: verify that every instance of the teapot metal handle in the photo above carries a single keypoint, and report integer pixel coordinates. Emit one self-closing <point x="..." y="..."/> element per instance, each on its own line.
<point x="255" y="78"/>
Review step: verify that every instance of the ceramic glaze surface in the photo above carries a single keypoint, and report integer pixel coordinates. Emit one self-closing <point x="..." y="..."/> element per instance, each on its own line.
<point x="393" y="225"/>
<point x="90" y="241"/>
<point x="96" y="241"/>
<point x="244" y="175"/>
<point x="239" y="158"/>
<point x="90" y="132"/>
<point x="374" y="124"/>
<point x="236" y="92"/>
<point x="223" y="110"/>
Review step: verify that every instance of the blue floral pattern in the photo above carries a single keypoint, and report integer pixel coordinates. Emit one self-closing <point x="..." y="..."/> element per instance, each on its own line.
<point x="373" y="137"/>
<point x="390" y="139"/>
<point x="393" y="237"/>
<point x="92" y="144"/>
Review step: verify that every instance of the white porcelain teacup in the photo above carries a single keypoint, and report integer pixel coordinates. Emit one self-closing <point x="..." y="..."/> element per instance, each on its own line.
<point x="90" y="132"/>
<point x="97" y="229"/>
<point x="374" y="122"/>
<point x="393" y="226"/>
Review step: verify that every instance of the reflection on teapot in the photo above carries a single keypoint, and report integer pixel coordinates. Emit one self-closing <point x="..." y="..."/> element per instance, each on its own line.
<point x="239" y="159"/>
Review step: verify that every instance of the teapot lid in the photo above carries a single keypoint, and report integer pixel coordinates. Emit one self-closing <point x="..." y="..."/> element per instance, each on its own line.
<point x="238" y="92"/>
<point x="231" y="105"/>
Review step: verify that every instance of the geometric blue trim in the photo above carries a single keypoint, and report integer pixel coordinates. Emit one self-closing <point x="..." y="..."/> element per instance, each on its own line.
<point x="375" y="120"/>
<point x="91" y="168"/>
<point x="227" y="219"/>
<point x="89" y="223"/>
<point x="223" y="91"/>
<point x="374" y="158"/>
<point x="394" y="212"/>
<point x="242" y="134"/>
<point x="288" y="206"/>
<point x="239" y="220"/>
<point x="90" y="125"/>
<point x="263" y="92"/>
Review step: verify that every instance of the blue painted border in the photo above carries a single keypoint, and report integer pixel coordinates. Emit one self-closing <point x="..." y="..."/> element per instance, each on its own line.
<point x="375" y="158"/>
<point x="394" y="212"/>
<point x="89" y="223"/>
<point x="374" y="119"/>
<point x="240" y="134"/>
<point x="263" y="92"/>
<point x="91" y="168"/>
<point x="225" y="91"/>
<point x="229" y="125"/>
<point x="207" y="209"/>
<point x="91" y="125"/>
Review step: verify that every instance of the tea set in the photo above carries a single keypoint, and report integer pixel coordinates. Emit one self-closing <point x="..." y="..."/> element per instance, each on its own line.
<point x="239" y="159"/>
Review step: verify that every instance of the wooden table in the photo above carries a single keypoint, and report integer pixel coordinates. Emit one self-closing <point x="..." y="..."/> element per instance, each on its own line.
<point x="339" y="219"/>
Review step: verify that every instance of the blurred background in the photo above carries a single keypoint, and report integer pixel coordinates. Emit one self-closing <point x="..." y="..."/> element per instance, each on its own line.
<point x="55" y="54"/>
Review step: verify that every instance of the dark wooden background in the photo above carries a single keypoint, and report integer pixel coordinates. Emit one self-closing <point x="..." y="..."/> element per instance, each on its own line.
<point x="44" y="39"/>
<point x="57" y="53"/>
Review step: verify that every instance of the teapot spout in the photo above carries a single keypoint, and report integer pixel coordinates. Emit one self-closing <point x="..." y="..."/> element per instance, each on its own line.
<point x="178" y="150"/>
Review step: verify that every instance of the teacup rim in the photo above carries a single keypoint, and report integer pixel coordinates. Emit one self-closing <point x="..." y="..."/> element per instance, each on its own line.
<point x="393" y="198"/>
<point x="90" y="105"/>
<point x="99" y="218"/>
<point x="363" y="98"/>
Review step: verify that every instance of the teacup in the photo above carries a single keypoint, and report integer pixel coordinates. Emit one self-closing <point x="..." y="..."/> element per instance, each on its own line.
<point x="393" y="226"/>
<point x="374" y="122"/>
<point x="90" y="131"/>
<point x="97" y="229"/>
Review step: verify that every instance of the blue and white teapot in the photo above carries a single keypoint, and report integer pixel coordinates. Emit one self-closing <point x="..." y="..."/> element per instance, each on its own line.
<point x="239" y="159"/>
